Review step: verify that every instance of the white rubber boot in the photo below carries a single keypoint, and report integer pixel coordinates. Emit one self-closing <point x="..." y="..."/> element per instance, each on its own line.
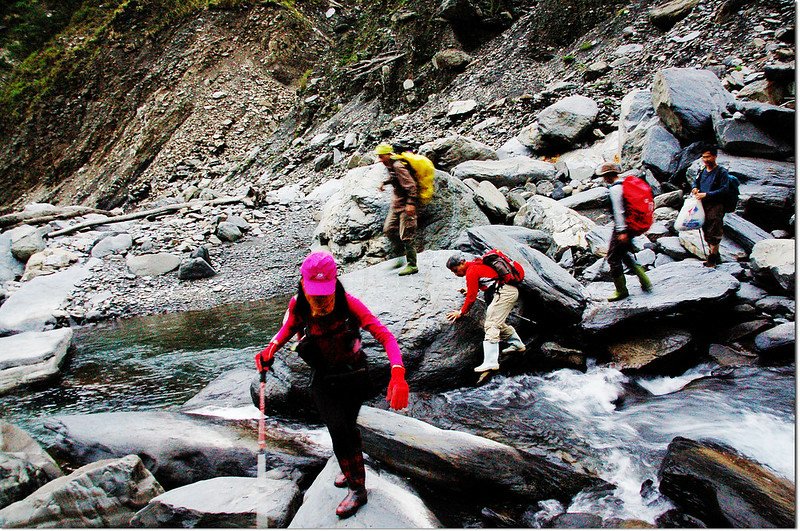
<point x="515" y="344"/>
<point x="491" y="353"/>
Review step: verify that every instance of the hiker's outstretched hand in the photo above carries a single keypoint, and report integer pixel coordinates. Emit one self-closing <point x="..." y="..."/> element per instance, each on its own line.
<point x="452" y="316"/>
<point x="397" y="392"/>
<point x="265" y="358"/>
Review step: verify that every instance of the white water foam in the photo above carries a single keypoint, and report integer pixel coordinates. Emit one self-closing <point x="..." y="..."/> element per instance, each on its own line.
<point x="662" y="385"/>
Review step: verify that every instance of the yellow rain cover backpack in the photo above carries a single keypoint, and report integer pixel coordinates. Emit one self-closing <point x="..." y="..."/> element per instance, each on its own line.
<point x="423" y="172"/>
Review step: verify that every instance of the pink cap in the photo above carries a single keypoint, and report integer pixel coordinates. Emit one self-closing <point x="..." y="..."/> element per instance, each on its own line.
<point x="319" y="274"/>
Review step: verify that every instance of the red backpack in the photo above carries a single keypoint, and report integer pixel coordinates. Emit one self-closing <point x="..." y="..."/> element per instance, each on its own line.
<point x="639" y="204"/>
<point x="508" y="271"/>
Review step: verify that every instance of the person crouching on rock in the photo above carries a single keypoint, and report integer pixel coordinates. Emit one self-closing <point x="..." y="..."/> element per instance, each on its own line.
<point x="330" y="322"/>
<point x="494" y="325"/>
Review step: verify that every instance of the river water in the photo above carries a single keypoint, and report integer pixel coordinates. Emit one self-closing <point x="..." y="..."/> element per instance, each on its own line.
<point x="616" y="425"/>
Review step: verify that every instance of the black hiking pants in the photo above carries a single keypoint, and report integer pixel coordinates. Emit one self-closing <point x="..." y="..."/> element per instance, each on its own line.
<point x="338" y="396"/>
<point x="618" y="253"/>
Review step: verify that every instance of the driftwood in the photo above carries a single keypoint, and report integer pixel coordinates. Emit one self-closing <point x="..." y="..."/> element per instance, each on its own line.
<point x="32" y="218"/>
<point x="145" y="213"/>
<point x="364" y="68"/>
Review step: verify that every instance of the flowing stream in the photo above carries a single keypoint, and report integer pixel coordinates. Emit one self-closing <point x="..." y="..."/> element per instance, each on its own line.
<point x="605" y="421"/>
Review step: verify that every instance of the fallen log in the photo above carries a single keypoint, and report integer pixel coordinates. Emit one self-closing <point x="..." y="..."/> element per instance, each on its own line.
<point x="33" y="218"/>
<point x="145" y="213"/>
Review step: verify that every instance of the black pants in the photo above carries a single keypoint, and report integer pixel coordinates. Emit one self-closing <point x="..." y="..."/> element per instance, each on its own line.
<point x="619" y="252"/>
<point x="338" y="399"/>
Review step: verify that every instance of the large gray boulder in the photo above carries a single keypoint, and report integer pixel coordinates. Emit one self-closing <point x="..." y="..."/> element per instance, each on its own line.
<point x="777" y="340"/>
<point x="18" y="478"/>
<point x="686" y="98"/>
<point x="743" y="232"/>
<point x="660" y="151"/>
<point x="47" y="262"/>
<point x="560" y="125"/>
<point x="775" y="120"/>
<point x="592" y="198"/>
<point x="178" y="449"/>
<point x="393" y="503"/>
<point x="16" y="442"/>
<point x="657" y="349"/>
<point x="773" y="262"/>
<point x="32" y="357"/>
<point x="223" y="502"/>
<point x="31" y="307"/>
<point x="771" y="206"/>
<point x="666" y="15"/>
<point x="151" y="265"/>
<point x="446" y="153"/>
<point x="106" y="494"/>
<point x="721" y="487"/>
<point x="27" y="245"/>
<point x="510" y="171"/>
<point x="115" y="244"/>
<point x="10" y="267"/>
<point x="580" y="164"/>
<point x="568" y="228"/>
<point x="551" y="291"/>
<point x="227" y="391"/>
<point x="677" y="287"/>
<point x="637" y="116"/>
<point x="537" y="239"/>
<point x="462" y="462"/>
<point x="738" y="136"/>
<point x="351" y="223"/>
<point x="490" y="199"/>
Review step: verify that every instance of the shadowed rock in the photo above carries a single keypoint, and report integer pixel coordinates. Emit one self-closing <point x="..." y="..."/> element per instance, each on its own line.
<point x="722" y="488"/>
<point x="178" y="449"/>
<point x="462" y="462"/>
<point x="655" y="349"/>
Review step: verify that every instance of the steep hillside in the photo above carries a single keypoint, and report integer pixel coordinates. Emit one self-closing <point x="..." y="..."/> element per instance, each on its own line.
<point x="147" y="94"/>
<point x="138" y="100"/>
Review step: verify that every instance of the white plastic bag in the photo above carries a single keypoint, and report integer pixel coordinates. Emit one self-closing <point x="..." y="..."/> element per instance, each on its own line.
<point x="692" y="216"/>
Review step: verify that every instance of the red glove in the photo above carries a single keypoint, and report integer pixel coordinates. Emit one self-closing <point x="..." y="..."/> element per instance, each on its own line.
<point x="397" y="393"/>
<point x="265" y="358"/>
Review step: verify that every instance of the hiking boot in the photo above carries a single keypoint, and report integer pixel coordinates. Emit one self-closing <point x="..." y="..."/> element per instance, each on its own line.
<point x="351" y="503"/>
<point x="713" y="260"/>
<point x="408" y="270"/>
<point x="515" y="344"/>
<point x="644" y="280"/>
<point x="622" y="289"/>
<point x="491" y="354"/>
<point x="411" y="258"/>
<point x="340" y="481"/>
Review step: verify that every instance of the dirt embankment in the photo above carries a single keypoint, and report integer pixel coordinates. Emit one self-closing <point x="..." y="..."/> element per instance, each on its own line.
<point x="159" y="111"/>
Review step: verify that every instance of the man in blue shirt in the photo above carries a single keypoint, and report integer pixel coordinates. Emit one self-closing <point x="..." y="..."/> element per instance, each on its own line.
<point x="710" y="188"/>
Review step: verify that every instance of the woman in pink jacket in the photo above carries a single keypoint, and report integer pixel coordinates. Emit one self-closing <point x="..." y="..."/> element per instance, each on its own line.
<point x="330" y="322"/>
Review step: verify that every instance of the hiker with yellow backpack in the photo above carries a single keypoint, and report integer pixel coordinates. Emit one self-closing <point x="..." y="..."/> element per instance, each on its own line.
<point x="411" y="177"/>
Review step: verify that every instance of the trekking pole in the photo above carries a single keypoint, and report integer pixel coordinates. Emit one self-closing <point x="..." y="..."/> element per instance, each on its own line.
<point x="261" y="463"/>
<point x="703" y="243"/>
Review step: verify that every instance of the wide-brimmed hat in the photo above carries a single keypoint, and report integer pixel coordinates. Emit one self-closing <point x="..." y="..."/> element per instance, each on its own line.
<point x="607" y="168"/>
<point x="319" y="274"/>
